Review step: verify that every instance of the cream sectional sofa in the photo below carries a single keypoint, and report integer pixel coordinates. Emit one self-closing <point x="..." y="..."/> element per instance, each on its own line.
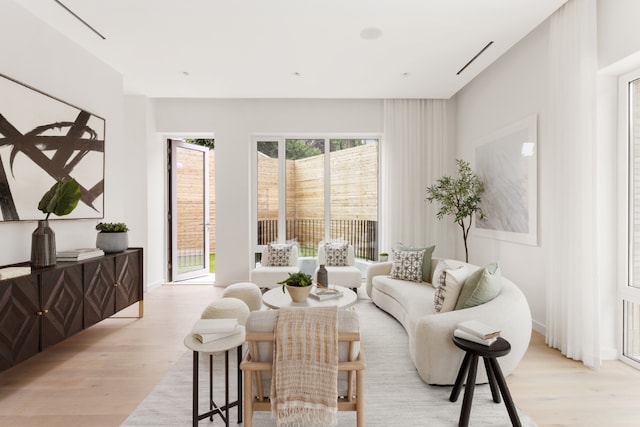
<point x="432" y="351"/>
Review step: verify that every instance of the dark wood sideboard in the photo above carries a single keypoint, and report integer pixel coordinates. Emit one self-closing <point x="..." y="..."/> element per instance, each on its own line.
<point x="53" y="303"/>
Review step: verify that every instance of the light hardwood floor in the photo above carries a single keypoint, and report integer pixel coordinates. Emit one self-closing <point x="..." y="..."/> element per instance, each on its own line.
<point x="98" y="377"/>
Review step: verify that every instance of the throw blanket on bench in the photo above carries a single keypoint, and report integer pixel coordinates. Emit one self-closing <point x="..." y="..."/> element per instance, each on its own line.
<point x="304" y="389"/>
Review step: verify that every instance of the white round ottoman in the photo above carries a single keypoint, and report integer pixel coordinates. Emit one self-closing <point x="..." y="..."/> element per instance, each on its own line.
<point x="227" y="308"/>
<point x="247" y="292"/>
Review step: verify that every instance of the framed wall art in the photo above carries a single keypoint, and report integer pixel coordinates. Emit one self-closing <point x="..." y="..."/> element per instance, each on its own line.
<point x="506" y="161"/>
<point x="43" y="140"/>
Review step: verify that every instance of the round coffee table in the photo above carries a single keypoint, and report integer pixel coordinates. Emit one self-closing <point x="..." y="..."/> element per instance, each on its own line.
<point x="274" y="298"/>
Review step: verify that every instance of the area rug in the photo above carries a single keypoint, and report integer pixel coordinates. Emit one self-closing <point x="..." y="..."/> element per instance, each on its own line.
<point x="394" y="393"/>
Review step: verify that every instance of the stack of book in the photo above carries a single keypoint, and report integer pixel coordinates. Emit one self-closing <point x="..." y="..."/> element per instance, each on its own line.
<point x="321" y="293"/>
<point x="79" y="254"/>
<point x="207" y="330"/>
<point x="476" y="331"/>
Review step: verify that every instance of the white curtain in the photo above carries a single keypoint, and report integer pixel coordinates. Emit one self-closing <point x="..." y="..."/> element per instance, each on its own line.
<point x="414" y="153"/>
<point x="572" y="288"/>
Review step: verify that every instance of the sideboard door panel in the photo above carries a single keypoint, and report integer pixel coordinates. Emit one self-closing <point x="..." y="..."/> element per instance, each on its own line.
<point x="19" y="321"/>
<point x="99" y="280"/>
<point x="128" y="278"/>
<point x="62" y="303"/>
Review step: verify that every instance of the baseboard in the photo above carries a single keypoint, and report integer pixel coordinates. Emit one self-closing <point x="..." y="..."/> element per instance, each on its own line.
<point x="539" y="327"/>
<point x="608" y="353"/>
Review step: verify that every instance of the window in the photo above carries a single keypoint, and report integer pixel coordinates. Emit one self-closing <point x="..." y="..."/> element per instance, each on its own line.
<point x="630" y="291"/>
<point x="305" y="196"/>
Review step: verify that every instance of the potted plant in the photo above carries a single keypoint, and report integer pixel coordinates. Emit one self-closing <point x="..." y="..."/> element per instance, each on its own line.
<point x="112" y="236"/>
<point x="459" y="197"/>
<point x="298" y="284"/>
<point x="61" y="199"/>
<point x="383" y="257"/>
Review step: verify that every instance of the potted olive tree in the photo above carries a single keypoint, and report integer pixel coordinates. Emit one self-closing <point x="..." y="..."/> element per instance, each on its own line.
<point x="298" y="285"/>
<point x="112" y="237"/>
<point x="459" y="197"/>
<point x="61" y="199"/>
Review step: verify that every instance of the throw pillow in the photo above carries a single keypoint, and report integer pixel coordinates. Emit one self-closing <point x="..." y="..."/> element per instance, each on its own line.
<point x="450" y="283"/>
<point x="482" y="286"/>
<point x="437" y="271"/>
<point x="336" y="254"/>
<point x="407" y="265"/>
<point x="278" y="255"/>
<point x="426" y="260"/>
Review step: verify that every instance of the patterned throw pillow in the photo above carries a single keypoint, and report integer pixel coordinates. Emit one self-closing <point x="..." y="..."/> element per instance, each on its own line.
<point x="336" y="254"/>
<point x="407" y="265"/>
<point x="278" y="255"/>
<point x="450" y="283"/>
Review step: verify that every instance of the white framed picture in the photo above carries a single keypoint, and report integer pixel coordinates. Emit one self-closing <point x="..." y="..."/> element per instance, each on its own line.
<point x="506" y="162"/>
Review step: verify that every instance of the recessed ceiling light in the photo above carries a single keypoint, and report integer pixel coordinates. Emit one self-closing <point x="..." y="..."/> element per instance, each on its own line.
<point x="371" y="33"/>
<point x="186" y="73"/>
<point x="406" y="74"/>
<point x="297" y="74"/>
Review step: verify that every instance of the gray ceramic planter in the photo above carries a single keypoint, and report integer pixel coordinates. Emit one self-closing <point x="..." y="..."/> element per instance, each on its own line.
<point x="112" y="242"/>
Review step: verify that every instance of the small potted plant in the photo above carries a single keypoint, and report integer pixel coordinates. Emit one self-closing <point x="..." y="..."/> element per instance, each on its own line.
<point x="298" y="285"/>
<point x="383" y="257"/>
<point x="112" y="237"/>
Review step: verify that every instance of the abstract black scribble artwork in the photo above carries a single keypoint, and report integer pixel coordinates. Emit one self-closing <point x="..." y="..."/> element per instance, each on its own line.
<point x="43" y="140"/>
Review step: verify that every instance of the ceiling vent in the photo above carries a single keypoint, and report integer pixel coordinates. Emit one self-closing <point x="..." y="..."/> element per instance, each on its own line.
<point x="474" y="58"/>
<point x="80" y="19"/>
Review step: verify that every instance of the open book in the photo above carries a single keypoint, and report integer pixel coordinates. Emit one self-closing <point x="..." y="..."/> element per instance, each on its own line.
<point x="207" y="330"/>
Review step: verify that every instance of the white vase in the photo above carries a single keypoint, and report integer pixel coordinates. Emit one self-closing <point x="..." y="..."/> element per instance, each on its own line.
<point x="111" y="242"/>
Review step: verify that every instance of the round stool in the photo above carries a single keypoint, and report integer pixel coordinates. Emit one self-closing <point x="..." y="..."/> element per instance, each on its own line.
<point x="490" y="353"/>
<point x="247" y="292"/>
<point x="227" y="308"/>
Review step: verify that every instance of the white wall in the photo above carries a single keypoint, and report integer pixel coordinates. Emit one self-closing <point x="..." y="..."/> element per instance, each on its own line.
<point x="516" y="86"/>
<point x="34" y="54"/>
<point x="233" y="122"/>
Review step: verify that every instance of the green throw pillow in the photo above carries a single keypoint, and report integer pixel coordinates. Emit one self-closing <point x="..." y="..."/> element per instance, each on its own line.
<point x="481" y="286"/>
<point x="426" y="261"/>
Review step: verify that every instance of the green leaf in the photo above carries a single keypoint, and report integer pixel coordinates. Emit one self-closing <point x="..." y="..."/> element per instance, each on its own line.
<point x="61" y="199"/>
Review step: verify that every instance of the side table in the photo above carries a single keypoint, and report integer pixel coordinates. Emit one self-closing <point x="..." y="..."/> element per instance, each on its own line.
<point x="218" y="346"/>
<point x="473" y="350"/>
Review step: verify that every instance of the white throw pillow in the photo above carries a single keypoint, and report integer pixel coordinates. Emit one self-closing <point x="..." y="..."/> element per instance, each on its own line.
<point x="437" y="272"/>
<point x="336" y="254"/>
<point x="450" y="284"/>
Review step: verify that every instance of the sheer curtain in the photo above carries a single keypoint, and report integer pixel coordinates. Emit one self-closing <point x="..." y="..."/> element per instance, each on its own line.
<point x="414" y="153"/>
<point x="572" y="288"/>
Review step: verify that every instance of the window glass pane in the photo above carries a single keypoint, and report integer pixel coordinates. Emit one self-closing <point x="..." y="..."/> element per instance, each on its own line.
<point x="632" y="330"/>
<point x="354" y="194"/>
<point x="267" y="188"/>
<point x="634" y="142"/>
<point x="305" y="193"/>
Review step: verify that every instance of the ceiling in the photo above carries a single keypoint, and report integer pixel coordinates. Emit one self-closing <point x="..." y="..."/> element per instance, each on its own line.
<point x="295" y="48"/>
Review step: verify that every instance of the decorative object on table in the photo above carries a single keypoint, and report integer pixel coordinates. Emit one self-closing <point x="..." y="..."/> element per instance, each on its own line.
<point x="321" y="277"/>
<point x="47" y="139"/>
<point x="506" y="162"/>
<point x="79" y="254"/>
<point x="61" y="199"/>
<point x="383" y="257"/>
<point x="298" y="285"/>
<point x="322" y="293"/>
<point x="459" y="197"/>
<point x="112" y="237"/>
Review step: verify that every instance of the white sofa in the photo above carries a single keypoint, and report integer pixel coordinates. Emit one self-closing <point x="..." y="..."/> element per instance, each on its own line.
<point x="266" y="276"/>
<point x="432" y="351"/>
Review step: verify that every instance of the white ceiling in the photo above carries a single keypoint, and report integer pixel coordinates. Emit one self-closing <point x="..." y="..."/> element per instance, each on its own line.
<point x="254" y="48"/>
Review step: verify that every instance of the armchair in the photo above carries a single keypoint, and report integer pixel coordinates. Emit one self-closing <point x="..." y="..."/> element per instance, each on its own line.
<point x="267" y="275"/>
<point x="347" y="275"/>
